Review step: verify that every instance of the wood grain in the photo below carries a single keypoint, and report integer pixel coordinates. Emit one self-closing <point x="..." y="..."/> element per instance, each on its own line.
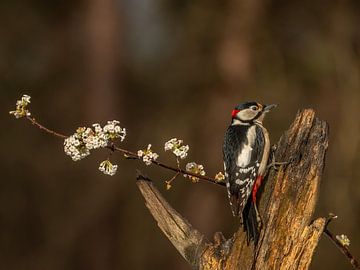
<point x="289" y="236"/>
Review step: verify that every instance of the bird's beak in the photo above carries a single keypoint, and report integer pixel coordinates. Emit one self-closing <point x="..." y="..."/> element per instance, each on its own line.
<point x="268" y="108"/>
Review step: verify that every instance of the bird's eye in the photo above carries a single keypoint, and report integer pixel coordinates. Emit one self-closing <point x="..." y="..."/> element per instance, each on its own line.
<point x="254" y="108"/>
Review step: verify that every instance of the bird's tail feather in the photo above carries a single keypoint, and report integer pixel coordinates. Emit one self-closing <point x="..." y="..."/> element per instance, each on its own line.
<point x="251" y="222"/>
<point x="235" y="204"/>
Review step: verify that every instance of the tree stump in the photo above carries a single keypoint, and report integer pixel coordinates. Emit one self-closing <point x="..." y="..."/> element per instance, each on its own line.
<point x="289" y="236"/>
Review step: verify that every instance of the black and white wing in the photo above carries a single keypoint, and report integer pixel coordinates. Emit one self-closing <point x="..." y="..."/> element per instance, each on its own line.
<point x="243" y="150"/>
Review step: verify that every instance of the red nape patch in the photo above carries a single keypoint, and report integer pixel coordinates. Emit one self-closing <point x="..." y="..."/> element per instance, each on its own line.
<point x="234" y="112"/>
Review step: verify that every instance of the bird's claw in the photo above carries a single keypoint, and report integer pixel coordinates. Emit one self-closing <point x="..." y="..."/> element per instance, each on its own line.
<point x="276" y="165"/>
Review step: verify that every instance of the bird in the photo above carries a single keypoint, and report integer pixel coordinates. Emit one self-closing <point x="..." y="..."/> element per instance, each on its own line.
<point x="246" y="152"/>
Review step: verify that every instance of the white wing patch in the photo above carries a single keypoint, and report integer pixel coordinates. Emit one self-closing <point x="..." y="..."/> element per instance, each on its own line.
<point x="244" y="156"/>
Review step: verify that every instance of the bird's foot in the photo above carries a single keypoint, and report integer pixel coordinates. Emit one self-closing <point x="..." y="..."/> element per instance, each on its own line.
<point x="273" y="163"/>
<point x="276" y="165"/>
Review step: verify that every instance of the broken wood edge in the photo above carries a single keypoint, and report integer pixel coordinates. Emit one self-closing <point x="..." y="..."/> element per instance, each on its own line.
<point x="310" y="239"/>
<point x="190" y="243"/>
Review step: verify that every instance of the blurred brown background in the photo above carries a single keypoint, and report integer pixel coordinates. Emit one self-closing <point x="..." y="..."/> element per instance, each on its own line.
<point x="164" y="69"/>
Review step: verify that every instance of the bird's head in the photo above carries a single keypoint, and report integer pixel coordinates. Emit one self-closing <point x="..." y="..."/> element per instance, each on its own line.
<point x="249" y="112"/>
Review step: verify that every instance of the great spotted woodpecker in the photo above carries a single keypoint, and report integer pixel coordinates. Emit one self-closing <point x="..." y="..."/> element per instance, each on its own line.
<point x="246" y="152"/>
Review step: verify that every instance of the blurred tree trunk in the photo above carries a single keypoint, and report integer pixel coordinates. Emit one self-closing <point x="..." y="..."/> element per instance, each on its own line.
<point x="235" y="49"/>
<point x="103" y="56"/>
<point x="103" y="102"/>
<point x="289" y="236"/>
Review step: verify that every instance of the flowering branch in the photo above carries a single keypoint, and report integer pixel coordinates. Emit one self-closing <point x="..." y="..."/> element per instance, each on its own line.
<point x="179" y="170"/>
<point x="37" y="124"/>
<point x="341" y="242"/>
<point x="79" y="145"/>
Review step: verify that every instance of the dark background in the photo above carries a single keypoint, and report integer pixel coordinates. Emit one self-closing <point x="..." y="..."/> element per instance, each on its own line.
<point x="164" y="69"/>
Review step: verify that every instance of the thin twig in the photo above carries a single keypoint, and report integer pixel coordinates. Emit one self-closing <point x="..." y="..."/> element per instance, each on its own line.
<point x="203" y="177"/>
<point x="168" y="182"/>
<point x="35" y="123"/>
<point x="130" y="154"/>
<point x="179" y="170"/>
<point x="355" y="264"/>
<point x="344" y="250"/>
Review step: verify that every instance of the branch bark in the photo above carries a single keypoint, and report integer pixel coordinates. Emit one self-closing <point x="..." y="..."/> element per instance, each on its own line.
<point x="289" y="236"/>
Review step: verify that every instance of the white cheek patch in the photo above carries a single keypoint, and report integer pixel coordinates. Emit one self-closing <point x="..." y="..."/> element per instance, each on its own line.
<point x="246" y="114"/>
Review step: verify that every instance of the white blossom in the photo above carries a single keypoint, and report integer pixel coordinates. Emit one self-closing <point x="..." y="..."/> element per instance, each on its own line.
<point x="219" y="176"/>
<point x="177" y="148"/>
<point x="94" y="139"/>
<point x="113" y="131"/>
<point x="75" y="147"/>
<point x="343" y="239"/>
<point x="108" y="168"/>
<point x="196" y="169"/>
<point x="21" y="107"/>
<point x="78" y="145"/>
<point x="147" y="155"/>
<point x="97" y="128"/>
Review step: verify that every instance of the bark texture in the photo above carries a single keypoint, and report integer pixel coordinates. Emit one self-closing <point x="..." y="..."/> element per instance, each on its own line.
<point x="289" y="236"/>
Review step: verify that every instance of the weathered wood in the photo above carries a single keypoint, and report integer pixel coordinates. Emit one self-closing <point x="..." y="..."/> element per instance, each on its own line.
<point x="188" y="241"/>
<point x="289" y="237"/>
